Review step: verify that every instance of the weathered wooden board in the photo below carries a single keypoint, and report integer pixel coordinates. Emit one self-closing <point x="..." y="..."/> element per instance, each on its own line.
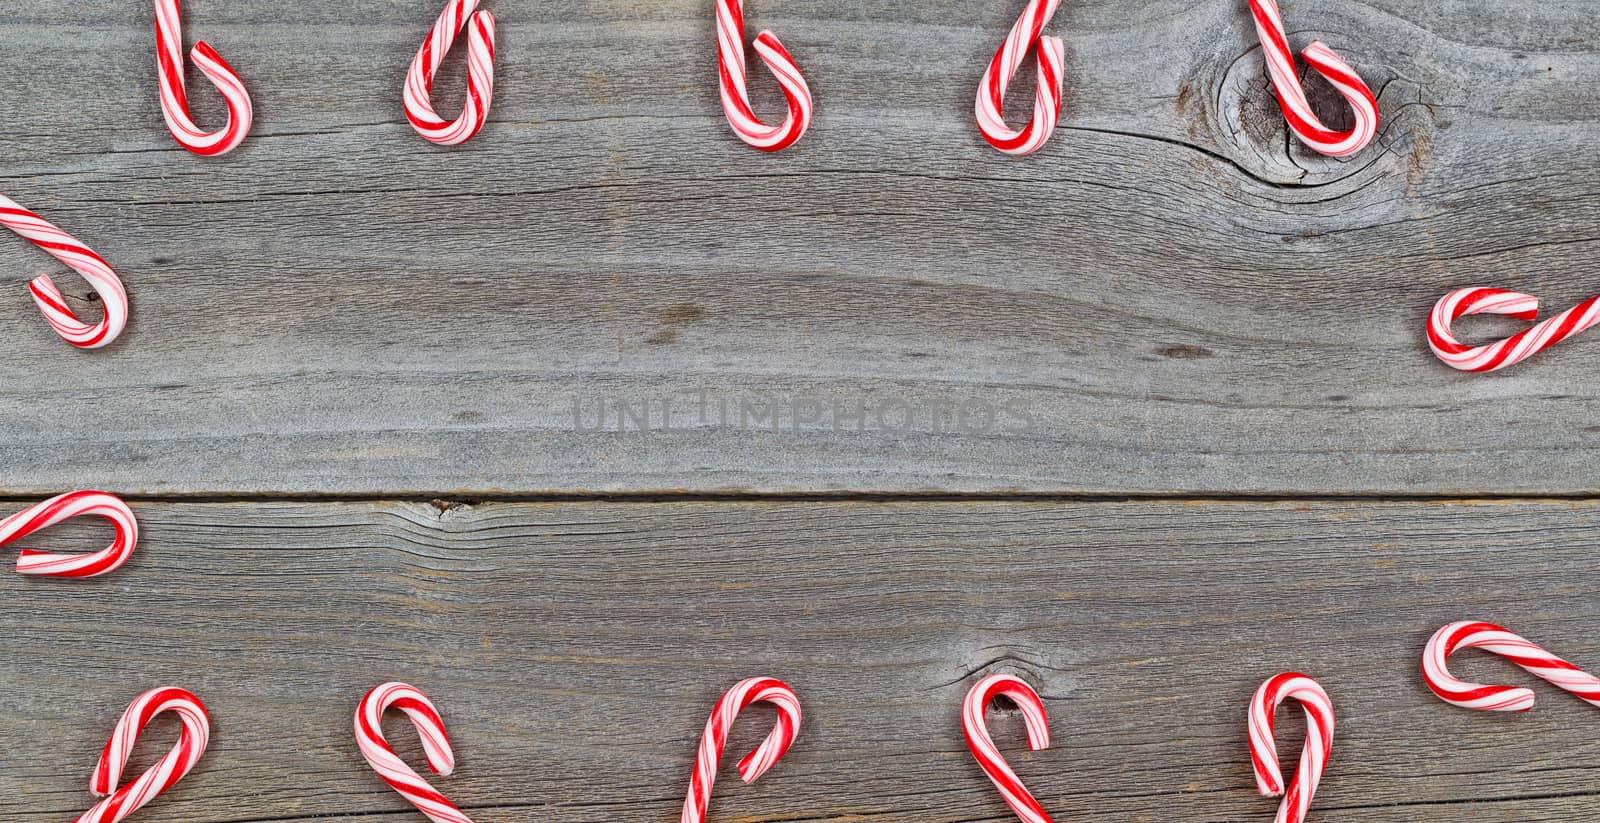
<point x="1170" y="297"/>
<point x="575" y="650"/>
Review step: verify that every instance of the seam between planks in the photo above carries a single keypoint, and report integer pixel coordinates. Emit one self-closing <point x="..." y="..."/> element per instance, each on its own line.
<point x="452" y="498"/>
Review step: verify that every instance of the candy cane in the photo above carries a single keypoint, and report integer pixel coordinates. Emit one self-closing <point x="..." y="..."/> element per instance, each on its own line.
<point x="165" y="773"/>
<point x="389" y="766"/>
<point x="175" y="95"/>
<point x="757" y="762"/>
<point x="1292" y="97"/>
<point x="81" y="259"/>
<point x="62" y="508"/>
<point x="735" y="98"/>
<point x="1517" y="649"/>
<point x="480" y="75"/>
<point x="1003" y="69"/>
<point x="1264" y="747"/>
<point x="1512" y="350"/>
<point x="976" y="727"/>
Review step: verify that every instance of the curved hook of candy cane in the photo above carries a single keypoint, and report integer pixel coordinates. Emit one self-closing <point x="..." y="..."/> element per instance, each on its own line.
<point x="1292" y="96"/>
<point x="1313" y="757"/>
<point x="756" y="763"/>
<point x="174" y="90"/>
<point x="480" y="75"/>
<point x="81" y="259"/>
<point x="1512" y="350"/>
<point x="975" y="725"/>
<point x="65" y="507"/>
<point x="1469" y="634"/>
<point x="165" y="773"/>
<point x="735" y="96"/>
<point x="389" y="766"/>
<point x="1003" y="69"/>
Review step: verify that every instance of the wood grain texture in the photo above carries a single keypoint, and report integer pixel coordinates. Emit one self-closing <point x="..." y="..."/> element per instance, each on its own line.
<point x="1172" y="296"/>
<point x="575" y="650"/>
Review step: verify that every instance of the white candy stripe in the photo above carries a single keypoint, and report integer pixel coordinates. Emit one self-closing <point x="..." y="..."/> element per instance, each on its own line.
<point x="1512" y="350"/>
<point x="975" y="725"/>
<point x="1313" y="757"/>
<point x="66" y="507"/>
<point x="1292" y="97"/>
<point x="990" y="108"/>
<point x="480" y="74"/>
<point x="1515" y="648"/>
<point x="192" y="741"/>
<point x="715" y="738"/>
<point x="81" y="259"/>
<point x="174" y="94"/>
<point x="735" y="97"/>
<point x="389" y="766"/>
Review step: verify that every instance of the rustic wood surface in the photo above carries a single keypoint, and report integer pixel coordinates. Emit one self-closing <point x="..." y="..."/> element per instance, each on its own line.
<point x="643" y="358"/>
<point x="575" y="650"/>
<point x="1172" y="296"/>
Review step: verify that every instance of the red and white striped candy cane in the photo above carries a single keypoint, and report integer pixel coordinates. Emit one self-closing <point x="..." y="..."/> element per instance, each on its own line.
<point x="81" y="259"/>
<point x="1292" y="97"/>
<point x="1515" y="648"/>
<point x="480" y="75"/>
<point x="1512" y="350"/>
<point x="736" y="99"/>
<point x="60" y="509"/>
<point x="165" y="773"/>
<point x="1264" y="747"/>
<point x="976" y="727"/>
<point x="389" y="766"/>
<point x="756" y="763"/>
<point x="1003" y="69"/>
<point x="174" y="91"/>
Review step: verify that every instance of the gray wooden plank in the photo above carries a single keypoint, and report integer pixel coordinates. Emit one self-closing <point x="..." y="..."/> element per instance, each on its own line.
<point x="575" y="649"/>
<point x="1170" y="297"/>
